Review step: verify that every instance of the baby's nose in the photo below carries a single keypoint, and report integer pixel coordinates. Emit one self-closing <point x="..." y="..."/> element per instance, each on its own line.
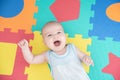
<point x="56" y="36"/>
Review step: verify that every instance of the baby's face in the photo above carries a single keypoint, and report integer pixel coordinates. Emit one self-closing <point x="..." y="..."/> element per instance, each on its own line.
<point x="54" y="37"/>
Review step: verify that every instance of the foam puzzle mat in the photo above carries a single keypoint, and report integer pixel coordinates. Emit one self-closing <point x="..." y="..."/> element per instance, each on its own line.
<point x="92" y="25"/>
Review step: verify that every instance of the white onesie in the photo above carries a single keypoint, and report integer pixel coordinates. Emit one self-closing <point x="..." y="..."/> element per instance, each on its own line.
<point x="67" y="66"/>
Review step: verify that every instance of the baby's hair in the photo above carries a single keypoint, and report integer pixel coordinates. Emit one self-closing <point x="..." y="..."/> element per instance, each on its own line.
<point x="50" y="23"/>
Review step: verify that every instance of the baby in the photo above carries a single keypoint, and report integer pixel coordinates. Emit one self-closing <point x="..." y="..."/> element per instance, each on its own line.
<point x="64" y="59"/>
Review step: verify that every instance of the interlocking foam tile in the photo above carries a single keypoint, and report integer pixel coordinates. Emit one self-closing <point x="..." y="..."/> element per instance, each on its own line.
<point x="19" y="63"/>
<point x="78" y="26"/>
<point x="113" y="67"/>
<point x="62" y="11"/>
<point x="18" y="68"/>
<point x="6" y="50"/>
<point x="10" y="8"/>
<point x="82" y="24"/>
<point x="8" y="36"/>
<point x="44" y="14"/>
<point x="102" y="25"/>
<point x="99" y="52"/>
<point x="23" y="20"/>
<point x="38" y="72"/>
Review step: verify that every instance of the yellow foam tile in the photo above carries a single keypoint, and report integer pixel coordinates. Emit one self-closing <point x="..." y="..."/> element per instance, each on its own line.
<point x="7" y="57"/>
<point x="38" y="72"/>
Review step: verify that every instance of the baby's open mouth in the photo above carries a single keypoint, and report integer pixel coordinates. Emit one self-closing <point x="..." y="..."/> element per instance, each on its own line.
<point x="57" y="43"/>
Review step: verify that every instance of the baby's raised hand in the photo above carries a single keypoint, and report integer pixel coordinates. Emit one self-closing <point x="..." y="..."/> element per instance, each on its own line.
<point x="87" y="60"/>
<point x="23" y="43"/>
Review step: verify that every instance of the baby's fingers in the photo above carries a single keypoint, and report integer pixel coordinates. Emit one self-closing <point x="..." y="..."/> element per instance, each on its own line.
<point x="89" y="61"/>
<point x="22" y="43"/>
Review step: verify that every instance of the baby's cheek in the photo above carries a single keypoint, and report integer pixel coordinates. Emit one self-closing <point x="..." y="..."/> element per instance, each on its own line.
<point x="63" y="37"/>
<point x="50" y="43"/>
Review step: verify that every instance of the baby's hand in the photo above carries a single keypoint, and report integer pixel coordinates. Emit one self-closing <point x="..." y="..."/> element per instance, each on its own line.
<point x="23" y="43"/>
<point x="87" y="60"/>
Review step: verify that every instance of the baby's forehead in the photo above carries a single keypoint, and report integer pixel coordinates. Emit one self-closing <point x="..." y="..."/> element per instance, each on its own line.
<point x="52" y="29"/>
<point x="52" y="26"/>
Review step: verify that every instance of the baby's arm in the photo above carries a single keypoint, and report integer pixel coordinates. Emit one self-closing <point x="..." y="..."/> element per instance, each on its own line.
<point x="29" y="57"/>
<point x="85" y="58"/>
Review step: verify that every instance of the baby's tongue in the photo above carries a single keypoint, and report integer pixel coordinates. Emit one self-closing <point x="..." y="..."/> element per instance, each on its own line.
<point x="57" y="43"/>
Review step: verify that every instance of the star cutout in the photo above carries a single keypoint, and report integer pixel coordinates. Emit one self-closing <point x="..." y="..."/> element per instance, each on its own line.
<point x="113" y="67"/>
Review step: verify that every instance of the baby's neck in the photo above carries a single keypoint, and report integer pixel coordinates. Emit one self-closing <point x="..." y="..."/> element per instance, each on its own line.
<point x="63" y="51"/>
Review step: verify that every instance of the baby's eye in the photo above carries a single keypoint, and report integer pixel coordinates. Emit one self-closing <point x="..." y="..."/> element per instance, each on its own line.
<point x="58" y="32"/>
<point x="49" y="35"/>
